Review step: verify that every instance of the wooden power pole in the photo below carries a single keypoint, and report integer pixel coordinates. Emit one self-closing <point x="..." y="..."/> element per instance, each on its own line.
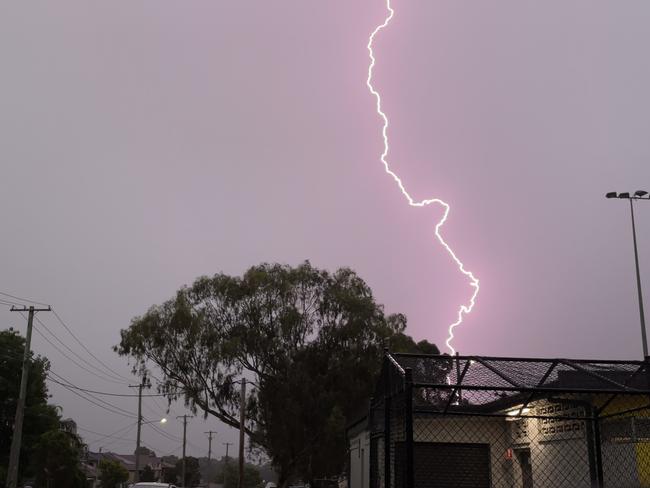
<point x="242" y="420"/>
<point x="184" y="417"/>
<point x="227" y="444"/>
<point x="210" y="432"/>
<point x="16" y="440"/>
<point x="136" y="476"/>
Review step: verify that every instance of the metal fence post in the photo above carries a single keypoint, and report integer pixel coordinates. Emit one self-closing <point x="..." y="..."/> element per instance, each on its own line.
<point x="408" y="427"/>
<point x="598" y="454"/>
<point x="387" y="457"/>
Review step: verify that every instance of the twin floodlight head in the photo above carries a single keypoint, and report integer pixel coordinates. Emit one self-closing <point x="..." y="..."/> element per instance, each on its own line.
<point x="637" y="194"/>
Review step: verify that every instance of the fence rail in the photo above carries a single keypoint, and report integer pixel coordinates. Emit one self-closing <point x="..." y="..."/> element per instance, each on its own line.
<point x="479" y="422"/>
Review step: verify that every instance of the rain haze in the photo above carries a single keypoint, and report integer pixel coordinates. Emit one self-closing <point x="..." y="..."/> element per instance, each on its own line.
<point x="147" y="143"/>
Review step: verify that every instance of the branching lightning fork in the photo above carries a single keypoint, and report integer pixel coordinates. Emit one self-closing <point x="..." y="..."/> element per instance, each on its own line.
<point x="464" y="308"/>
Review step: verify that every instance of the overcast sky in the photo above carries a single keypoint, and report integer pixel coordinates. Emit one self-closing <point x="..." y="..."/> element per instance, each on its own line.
<point x="146" y="143"/>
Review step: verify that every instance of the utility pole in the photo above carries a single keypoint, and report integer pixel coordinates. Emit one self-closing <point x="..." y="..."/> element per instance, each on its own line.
<point x="184" y="417"/>
<point x="227" y="444"/>
<point x="14" y="454"/>
<point x="136" y="476"/>
<point x="242" y="420"/>
<point x="210" y="432"/>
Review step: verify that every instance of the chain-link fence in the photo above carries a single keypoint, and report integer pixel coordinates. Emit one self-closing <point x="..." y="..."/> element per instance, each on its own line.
<point x="477" y="422"/>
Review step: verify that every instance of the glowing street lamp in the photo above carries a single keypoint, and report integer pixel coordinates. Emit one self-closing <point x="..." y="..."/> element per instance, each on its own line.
<point x="638" y="195"/>
<point x="161" y="421"/>
<point x="137" y="444"/>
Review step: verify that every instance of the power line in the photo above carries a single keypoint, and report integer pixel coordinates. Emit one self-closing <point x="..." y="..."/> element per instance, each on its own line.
<point x="108" y="436"/>
<point x="67" y="328"/>
<point x="116" y="441"/>
<point x="86" y="349"/>
<point x="114" y="378"/>
<point x="153" y="396"/>
<point x="70" y="359"/>
<point x="164" y="434"/>
<point x="117" y="412"/>
<point x="87" y="396"/>
<point x="105" y="393"/>
<point x="167" y="409"/>
<point x="24" y="299"/>
<point x="70" y="384"/>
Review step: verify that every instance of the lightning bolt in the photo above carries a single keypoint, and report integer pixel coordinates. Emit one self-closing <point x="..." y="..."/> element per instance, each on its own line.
<point x="464" y="309"/>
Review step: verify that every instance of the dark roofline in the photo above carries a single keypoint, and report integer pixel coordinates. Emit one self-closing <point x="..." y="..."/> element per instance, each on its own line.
<point x="601" y="380"/>
<point x="518" y="359"/>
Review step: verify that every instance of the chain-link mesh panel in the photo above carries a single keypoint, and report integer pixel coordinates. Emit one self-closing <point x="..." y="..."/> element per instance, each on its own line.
<point x="493" y="422"/>
<point x="524" y="374"/>
<point x="397" y="438"/>
<point x="625" y="439"/>
<point x="376" y="462"/>
<point x="548" y="444"/>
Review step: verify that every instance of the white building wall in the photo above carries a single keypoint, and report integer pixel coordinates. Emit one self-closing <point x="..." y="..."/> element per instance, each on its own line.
<point x="559" y="459"/>
<point x="472" y="430"/>
<point x="360" y="461"/>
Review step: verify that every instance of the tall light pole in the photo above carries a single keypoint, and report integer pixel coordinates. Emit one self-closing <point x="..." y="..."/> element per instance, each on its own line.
<point x="638" y="195"/>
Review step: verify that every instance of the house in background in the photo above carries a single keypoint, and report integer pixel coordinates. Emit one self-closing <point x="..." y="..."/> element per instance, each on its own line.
<point x="157" y="465"/>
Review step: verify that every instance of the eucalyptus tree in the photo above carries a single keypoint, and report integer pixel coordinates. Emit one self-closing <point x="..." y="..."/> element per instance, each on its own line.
<point x="308" y="340"/>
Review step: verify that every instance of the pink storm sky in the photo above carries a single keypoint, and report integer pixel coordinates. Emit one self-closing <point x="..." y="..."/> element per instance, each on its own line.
<point x="147" y="143"/>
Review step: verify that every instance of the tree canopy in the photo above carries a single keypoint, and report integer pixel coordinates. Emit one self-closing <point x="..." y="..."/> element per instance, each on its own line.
<point x="310" y="341"/>
<point x="147" y="474"/>
<point x="192" y="471"/>
<point x="39" y="416"/>
<point x="229" y="475"/>
<point x="57" y="460"/>
<point x="112" y="473"/>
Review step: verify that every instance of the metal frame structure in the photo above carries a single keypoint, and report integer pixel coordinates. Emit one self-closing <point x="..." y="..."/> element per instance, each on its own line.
<point x="442" y="402"/>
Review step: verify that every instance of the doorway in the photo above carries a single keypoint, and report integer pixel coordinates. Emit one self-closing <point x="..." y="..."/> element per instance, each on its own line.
<point x="523" y="456"/>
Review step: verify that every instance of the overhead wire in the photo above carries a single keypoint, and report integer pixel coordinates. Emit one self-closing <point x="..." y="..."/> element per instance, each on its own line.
<point x="103" y="378"/>
<point x="105" y="393"/>
<point x="164" y="434"/>
<point x="58" y="317"/>
<point x="115" y="378"/>
<point x="84" y="393"/>
<point x="90" y="397"/>
<point x="112" y="435"/>
<point x="23" y="299"/>
<point x="69" y="330"/>
<point x="91" y="401"/>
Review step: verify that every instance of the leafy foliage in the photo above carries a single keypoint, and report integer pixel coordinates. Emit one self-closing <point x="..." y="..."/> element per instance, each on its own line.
<point x="39" y="416"/>
<point x="112" y="473"/>
<point x="192" y="472"/>
<point x="57" y="460"/>
<point x="170" y="475"/>
<point x="147" y="474"/>
<point x="310" y="339"/>
<point x="229" y="475"/>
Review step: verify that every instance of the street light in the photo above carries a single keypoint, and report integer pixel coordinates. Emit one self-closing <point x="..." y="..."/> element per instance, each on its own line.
<point x="638" y="195"/>
<point x="163" y="420"/>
